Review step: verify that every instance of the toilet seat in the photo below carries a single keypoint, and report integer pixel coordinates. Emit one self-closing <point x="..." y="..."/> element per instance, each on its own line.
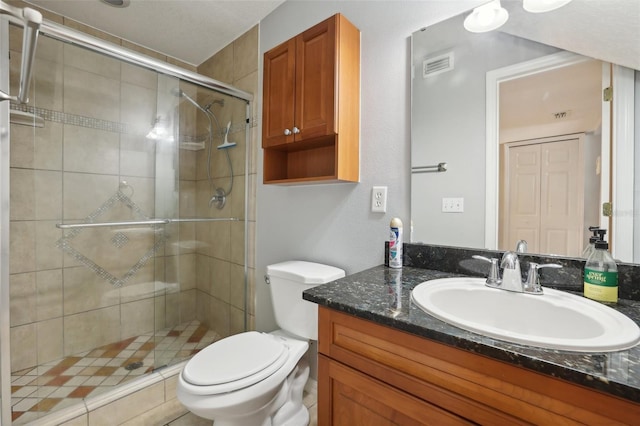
<point x="236" y="362"/>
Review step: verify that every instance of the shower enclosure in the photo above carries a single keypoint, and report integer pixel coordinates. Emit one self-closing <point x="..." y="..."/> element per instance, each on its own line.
<point x="126" y="214"/>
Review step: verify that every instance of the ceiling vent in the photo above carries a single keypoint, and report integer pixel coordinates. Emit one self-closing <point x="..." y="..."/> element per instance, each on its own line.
<point x="437" y="65"/>
<point x="561" y="115"/>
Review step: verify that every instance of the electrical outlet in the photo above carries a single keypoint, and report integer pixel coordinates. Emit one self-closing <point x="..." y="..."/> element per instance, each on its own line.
<point x="453" y="205"/>
<point x="379" y="199"/>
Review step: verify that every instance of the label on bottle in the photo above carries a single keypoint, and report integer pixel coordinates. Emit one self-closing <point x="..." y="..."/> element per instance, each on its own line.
<point x="601" y="285"/>
<point x="395" y="248"/>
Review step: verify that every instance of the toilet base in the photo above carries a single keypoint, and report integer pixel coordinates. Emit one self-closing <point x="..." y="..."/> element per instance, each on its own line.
<point x="285" y="409"/>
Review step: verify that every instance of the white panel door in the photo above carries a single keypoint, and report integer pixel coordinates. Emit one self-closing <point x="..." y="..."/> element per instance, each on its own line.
<point x="542" y="205"/>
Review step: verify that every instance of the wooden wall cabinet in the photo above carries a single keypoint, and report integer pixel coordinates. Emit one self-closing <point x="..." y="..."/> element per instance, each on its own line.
<point x="311" y="106"/>
<point x="370" y="374"/>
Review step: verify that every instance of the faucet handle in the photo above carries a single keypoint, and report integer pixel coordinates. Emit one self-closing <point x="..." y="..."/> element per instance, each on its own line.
<point x="532" y="285"/>
<point x="493" y="279"/>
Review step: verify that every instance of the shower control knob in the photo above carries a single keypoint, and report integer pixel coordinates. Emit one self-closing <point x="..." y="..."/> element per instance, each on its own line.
<point x="296" y="130"/>
<point x="287" y="132"/>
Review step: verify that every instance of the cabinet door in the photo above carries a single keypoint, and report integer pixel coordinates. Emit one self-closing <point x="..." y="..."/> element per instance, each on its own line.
<point x="351" y="398"/>
<point x="315" y="81"/>
<point x="278" y="94"/>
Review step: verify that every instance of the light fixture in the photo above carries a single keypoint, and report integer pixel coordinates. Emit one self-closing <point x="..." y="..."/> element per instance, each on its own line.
<point x="540" y="6"/>
<point x="116" y="3"/>
<point x="487" y="17"/>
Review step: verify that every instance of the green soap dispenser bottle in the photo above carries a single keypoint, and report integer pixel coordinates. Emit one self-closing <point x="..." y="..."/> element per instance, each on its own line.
<point x="592" y="242"/>
<point x="601" y="274"/>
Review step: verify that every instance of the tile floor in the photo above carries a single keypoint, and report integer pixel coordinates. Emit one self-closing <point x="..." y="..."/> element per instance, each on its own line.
<point x="310" y="399"/>
<point x="59" y="384"/>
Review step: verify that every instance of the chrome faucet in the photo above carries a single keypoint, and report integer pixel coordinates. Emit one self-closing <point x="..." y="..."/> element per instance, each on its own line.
<point x="511" y="279"/>
<point x="521" y="246"/>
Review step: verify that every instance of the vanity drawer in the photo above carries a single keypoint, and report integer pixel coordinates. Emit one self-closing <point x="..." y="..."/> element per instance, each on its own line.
<point x="474" y="387"/>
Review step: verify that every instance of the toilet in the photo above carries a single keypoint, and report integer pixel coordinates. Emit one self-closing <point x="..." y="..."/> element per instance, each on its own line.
<point x="255" y="378"/>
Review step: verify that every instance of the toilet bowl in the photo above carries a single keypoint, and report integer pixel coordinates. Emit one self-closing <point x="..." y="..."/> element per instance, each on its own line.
<point x="257" y="379"/>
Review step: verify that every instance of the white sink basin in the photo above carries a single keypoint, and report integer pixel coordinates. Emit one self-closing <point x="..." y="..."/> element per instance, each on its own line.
<point x="554" y="320"/>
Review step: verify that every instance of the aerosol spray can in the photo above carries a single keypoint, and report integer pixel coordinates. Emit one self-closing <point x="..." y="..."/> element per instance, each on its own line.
<point x="395" y="243"/>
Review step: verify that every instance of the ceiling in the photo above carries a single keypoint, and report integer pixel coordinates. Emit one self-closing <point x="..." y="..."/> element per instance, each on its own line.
<point x="194" y="30"/>
<point x="568" y="96"/>
<point x="189" y="30"/>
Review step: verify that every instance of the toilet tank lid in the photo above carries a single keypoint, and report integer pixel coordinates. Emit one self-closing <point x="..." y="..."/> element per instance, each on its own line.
<point x="305" y="272"/>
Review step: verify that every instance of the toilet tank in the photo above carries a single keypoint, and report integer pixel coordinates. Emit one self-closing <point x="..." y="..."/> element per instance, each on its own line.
<point x="287" y="281"/>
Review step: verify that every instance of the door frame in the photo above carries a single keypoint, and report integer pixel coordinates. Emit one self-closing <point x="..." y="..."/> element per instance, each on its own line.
<point x="622" y="124"/>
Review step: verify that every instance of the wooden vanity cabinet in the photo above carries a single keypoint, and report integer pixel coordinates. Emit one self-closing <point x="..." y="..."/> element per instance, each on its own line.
<point x="369" y="374"/>
<point x="311" y="105"/>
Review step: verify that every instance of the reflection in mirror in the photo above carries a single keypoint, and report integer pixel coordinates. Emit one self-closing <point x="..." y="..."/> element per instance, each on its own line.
<point x="538" y="120"/>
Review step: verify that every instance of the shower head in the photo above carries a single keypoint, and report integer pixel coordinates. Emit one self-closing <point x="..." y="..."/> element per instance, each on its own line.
<point x="214" y="102"/>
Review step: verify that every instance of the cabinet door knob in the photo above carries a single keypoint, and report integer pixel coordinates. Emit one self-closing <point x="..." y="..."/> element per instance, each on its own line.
<point x="296" y="130"/>
<point x="287" y="132"/>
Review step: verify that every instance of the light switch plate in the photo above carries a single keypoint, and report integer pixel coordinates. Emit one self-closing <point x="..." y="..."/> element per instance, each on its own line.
<point x="453" y="205"/>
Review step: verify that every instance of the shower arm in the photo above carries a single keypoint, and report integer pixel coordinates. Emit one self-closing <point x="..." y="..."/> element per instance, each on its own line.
<point x="31" y="20"/>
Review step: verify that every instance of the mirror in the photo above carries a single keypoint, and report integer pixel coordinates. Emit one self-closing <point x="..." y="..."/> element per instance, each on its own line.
<point x="469" y="92"/>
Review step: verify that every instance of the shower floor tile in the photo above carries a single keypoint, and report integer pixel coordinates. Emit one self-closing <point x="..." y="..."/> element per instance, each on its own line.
<point x="39" y="390"/>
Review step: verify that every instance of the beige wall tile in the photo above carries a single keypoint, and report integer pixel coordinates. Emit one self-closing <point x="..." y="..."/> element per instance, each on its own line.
<point x="187" y="271"/>
<point x="49" y="302"/>
<point x="188" y="164"/>
<point x="91" y="95"/>
<point x="137" y="155"/>
<point x="39" y="148"/>
<point x="84" y="290"/>
<point x="50" y="340"/>
<point x="220" y="281"/>
<point x="90" y="150"/>
<point x="22" y="246"/>
<point x="82" y="420"/>
<point x="160" y="315"/>
<point x="220" y="66"/>
<point x="236" y="320"/>
<point x="203" y="305"/>
<point x="48" y="195"/>
<point x="249" y="83"/>
<point x="22" y="194"/>
<point x="203" y="274"/>
<point x="46" y="89"/>
<point x="237" y="242"/>
<point x="48" y="255"/>
<point x="220" y="233"/>
<point x="245" y="58"/>
<point x="187" y="198"/>
<point x="84" y="193"/>
<point x="172" y="310"/>
<point x="188" y="305"/>
<point x="219" y="314"/>
<point x="137" y="317"/>
<point x="138" y="107"/>
<point x="22" y="294"/>
<point x="236" y="198"/>
<point x="88" y="330"/>
<point x="142" y="285"/>
<point x="251" y="241"/>
<point x="94" y="63"/>
<point x="128" y="408"/>
<point x="237" y="286"/>
<point x="23" y="342"/>
<point x="144" y="194"/>
<point x="160" y="415"/>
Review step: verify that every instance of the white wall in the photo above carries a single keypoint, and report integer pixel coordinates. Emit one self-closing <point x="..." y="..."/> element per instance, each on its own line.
<point x="332" y="223"/>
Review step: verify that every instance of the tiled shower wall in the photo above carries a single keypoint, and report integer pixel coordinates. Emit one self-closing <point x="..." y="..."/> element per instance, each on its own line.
<point x="221" y="294"/>
<point x="66" y="171"/>
<point x="84" y="309"/>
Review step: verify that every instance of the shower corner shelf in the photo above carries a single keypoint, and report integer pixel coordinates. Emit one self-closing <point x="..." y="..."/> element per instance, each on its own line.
<point x="191" y="146"/>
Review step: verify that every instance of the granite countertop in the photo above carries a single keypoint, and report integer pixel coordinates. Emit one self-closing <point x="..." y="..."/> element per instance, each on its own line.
<point x="374" y="295"/>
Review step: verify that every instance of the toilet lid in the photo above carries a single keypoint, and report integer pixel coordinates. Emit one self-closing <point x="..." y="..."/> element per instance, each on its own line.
<point x="236" y="361"/>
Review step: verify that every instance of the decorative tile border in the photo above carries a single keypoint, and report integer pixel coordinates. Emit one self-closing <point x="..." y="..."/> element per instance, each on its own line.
<point x="72" y="119"/>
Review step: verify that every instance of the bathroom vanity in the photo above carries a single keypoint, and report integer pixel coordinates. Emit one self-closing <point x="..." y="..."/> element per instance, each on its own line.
<point x="382" y="360"/>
